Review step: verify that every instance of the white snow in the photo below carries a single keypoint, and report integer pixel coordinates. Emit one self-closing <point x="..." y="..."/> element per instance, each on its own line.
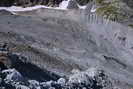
<point x="82" y="7"/>
<point x="93" y="10"/>
<point x="17" y="8"/>
<point x="83" y="77"/>
<point x="64" y="4"/>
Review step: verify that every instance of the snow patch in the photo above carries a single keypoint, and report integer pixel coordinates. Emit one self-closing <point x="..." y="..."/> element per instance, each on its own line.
<point x="82" y="7"/>
<point x="12" y="75"/>
<point x="93" y="9"/>
<point x="64" y="4"/>
<point x="17" y="8"/>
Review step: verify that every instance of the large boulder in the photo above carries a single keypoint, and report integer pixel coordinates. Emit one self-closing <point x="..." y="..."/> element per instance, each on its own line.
<point x="12" y="75"/>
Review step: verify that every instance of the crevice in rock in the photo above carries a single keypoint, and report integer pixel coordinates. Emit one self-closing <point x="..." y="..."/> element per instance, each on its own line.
<point x="114" y="59"/>
<point x="2" y="66"/>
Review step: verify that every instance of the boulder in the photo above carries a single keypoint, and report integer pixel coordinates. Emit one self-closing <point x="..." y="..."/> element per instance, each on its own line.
<point x="33" y="84"/>
<point x="21" y="87"/>
<point x="12" y="75"/>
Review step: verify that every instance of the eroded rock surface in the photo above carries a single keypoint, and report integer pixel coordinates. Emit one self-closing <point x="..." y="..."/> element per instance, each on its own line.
<point x="61" y="45"/>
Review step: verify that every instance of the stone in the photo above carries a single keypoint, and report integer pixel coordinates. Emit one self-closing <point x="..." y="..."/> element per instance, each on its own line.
<point x="22" y="87"/>
<point x="12" y="75"/>
<point x="61" y="81"/>
<point x="34" y="84"/>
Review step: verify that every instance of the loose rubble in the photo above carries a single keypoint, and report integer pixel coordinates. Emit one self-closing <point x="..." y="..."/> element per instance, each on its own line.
<point x="12" y="79"/>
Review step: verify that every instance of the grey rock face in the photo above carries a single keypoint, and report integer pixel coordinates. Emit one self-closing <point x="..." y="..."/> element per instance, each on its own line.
<point x="12" y="75"/>
<point x="62" y="44"/>
<point x="129" y="3"/>
<point x="6" y="2"/>
<point x="72" y="4"/>
<point x="5" y="12"/>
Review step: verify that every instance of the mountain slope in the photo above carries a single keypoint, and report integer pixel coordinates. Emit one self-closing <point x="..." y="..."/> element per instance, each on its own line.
<point x="61" y="44"/>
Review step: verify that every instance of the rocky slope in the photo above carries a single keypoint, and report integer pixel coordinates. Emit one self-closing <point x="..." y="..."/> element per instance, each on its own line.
<point x="52" y="44"/>
<point x="12" y="79"/>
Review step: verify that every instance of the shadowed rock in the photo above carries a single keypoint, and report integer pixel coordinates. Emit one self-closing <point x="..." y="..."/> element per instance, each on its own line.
<point x="72" y="4"/>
